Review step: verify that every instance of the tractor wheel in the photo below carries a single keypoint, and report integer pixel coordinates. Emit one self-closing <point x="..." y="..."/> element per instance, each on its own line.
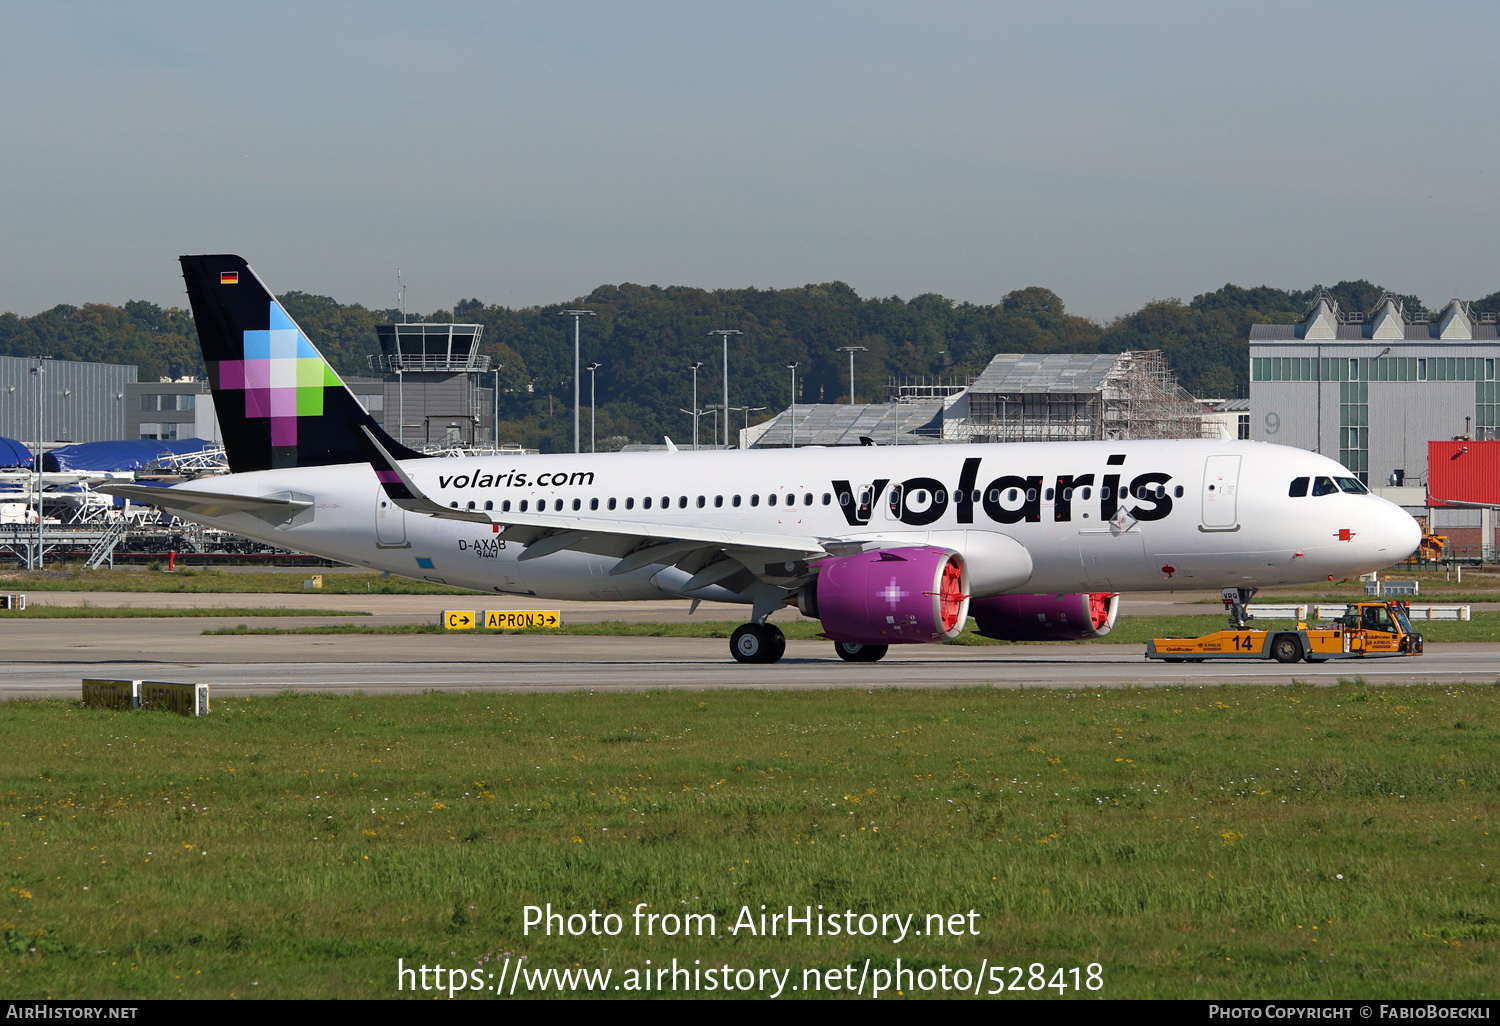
<point x="1287" y="648"/>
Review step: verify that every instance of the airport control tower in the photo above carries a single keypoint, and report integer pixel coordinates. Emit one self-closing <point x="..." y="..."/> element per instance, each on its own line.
<point x="436" y="394"/>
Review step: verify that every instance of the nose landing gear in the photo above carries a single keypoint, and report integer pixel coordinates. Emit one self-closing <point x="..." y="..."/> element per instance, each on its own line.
<point x="757" y="643"/>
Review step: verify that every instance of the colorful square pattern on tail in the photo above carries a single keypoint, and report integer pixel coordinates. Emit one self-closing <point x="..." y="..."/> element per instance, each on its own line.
<point x="282" y="376"/>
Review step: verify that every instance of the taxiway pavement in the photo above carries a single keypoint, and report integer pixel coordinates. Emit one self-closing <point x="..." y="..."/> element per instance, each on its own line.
<point x="48" y="658"/>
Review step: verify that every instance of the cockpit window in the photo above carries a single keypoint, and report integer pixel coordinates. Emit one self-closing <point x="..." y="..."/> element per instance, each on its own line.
<point x="1352" y="486"/>
<point x="1324" y="486"/>
<point x="1299" y="488"/>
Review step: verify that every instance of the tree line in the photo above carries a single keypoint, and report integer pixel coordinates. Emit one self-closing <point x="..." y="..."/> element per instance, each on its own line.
<point x="646" y="337"/>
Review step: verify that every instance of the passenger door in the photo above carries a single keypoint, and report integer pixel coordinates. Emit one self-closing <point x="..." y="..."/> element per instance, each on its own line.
<point x="1221" y="480"/>
<point x="390" y="523"/>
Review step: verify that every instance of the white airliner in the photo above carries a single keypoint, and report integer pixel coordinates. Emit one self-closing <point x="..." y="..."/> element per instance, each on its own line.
<point x="884" y="545"/>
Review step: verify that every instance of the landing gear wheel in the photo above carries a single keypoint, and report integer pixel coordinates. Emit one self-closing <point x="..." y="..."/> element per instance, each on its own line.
<point x="1286" y="649"/>
<point x="757" y="643"/>
<point x="853" y="652"/>
<point x="777" y="643"/>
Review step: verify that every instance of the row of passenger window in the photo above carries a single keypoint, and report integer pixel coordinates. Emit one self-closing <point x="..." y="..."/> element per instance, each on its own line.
<point x="1326" y="486"/>
<point x="558" y="505"/>
<point x="1083" y="494"/>
<point x="921" y="497"/>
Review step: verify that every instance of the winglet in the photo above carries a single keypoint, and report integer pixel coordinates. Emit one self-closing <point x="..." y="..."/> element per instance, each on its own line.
<point x="670" y="446"/>
<point x="402" y="490"/>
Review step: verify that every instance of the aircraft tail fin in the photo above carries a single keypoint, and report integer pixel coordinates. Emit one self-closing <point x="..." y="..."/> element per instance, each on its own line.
<point x="279" y="403"/>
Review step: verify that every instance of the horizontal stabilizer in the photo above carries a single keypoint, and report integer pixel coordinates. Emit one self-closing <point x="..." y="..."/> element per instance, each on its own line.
<point x="207" y="504"/>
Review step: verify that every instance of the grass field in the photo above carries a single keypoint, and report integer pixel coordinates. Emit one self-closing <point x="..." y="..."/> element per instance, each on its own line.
<point x="1194" y="842"/>
<point x="1129" y="630"/>
<point x="88" y="612"/>
<point x="1436" y="585"/>
<point x="212" y="580"/>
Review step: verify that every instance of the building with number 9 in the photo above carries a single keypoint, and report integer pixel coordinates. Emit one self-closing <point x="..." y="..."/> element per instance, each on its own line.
<point x="1371" y="390"/>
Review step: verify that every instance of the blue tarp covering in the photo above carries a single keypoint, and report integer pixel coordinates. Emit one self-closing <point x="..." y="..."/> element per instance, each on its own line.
<point x="128" y="454"/>
<point x="14" y="454"/>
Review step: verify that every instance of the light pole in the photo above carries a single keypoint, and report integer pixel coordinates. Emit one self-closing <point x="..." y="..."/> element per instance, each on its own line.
<point x="591" y="369"/>
<point x="400" y="400"/>
<point x="793" y="368"/>
<point x="694" y="413"/>
<point x="41" y="396"/>
<point x="724" y="333"/>
<point x="851" y="350"/>
<point x="748" y="410"/>
<point x="696" y="364"/>
<point x="578" y="316"/>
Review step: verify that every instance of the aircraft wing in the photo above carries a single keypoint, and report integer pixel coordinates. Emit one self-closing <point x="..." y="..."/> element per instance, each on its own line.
<point x="712" y="555"/>
<point x="208" y="504"/>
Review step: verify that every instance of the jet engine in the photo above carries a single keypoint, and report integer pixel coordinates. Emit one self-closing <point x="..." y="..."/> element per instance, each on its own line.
<point x="890" y="596"/>
<point x="1076" y="617"/>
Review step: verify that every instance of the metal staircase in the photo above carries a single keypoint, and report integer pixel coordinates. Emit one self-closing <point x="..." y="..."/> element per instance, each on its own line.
<point x="104" y="549"/>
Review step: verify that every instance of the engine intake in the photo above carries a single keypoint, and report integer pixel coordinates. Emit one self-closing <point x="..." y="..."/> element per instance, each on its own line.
<point x="890" y="596"/>
<point x="1075" y="617"/>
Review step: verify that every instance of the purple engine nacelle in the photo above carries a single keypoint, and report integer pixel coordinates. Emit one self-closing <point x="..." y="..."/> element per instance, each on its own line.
<point x="1076" y="617"/>
<point x="890" y="596"/>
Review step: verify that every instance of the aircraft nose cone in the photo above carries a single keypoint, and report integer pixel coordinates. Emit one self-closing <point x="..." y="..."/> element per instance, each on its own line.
<point x="1400" y="534"/>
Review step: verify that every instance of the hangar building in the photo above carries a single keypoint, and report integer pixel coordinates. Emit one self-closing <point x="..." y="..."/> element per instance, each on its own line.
<point x="1371" y="390"/>
<point x="72" y="401"/>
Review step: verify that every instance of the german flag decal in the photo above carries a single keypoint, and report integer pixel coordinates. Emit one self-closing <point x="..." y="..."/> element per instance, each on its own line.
<point x="229" y="277"/>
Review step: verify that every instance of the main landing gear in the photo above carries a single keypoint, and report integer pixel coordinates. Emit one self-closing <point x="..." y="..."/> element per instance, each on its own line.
<point x="854" y="652"/>
<point x="764" y="643"/>
<point x="757" y="643"/>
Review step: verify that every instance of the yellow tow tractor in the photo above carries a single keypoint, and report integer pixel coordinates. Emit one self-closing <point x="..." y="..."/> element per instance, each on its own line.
<point x="1431" y="549"/>
<point x="1366" y="630"/>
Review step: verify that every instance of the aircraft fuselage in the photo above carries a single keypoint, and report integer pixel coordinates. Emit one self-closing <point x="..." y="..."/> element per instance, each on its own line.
<point x="1094" y="516"/>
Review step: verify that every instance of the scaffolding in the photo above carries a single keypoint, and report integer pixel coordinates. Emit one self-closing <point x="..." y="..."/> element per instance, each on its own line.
<point x="206" y="462"/>
<point x="908" y="423"/>
<point x="1067" y="397"/>
<point x="924" y="388"/>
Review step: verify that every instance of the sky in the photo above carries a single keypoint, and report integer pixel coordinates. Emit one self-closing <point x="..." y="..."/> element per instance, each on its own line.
<point x="525" y="153"/>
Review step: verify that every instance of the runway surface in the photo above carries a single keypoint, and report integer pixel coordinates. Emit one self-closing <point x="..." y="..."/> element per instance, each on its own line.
<point x="50" y="657"/>
<point x="426" y="608"/>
